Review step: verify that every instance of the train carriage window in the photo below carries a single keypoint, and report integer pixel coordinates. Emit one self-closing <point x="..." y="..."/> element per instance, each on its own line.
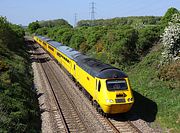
<point x="50" y="48"/>
<point x="99" y="86"/>
<point x="63" y="57"/>
<point x="44" y="43"/>
<point x="74" y="67"/>
<point x="59" y="54"/>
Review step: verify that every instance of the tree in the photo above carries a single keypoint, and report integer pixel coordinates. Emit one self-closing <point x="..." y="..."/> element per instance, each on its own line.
<point x="11" y="35"/>
<point x="42" y="31"/>
<point x="32" y="27"/>
<point x="171" y="40"/>
<point x="147" y="37"/>
<point x="167" y="17"/>
<point x="55" y="23"/>
<point x="123" y="45"/>
<point x="66" y="37"/>
<point x="76" y="41"/>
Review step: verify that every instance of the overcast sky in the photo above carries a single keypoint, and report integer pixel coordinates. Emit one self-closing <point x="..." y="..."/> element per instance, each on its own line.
<point x="25" y="11"/>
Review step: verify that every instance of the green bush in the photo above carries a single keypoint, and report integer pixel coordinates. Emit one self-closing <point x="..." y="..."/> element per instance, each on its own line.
<point x="19" y="109"/>
<point x="146" y="39"/>
<point x="32" y="27"/>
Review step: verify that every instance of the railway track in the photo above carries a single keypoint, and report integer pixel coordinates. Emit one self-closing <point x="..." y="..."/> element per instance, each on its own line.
<point x="75" y="111"/>
<point x="69" y="116"/>
<point x="128" y="127"/>
<point x="108" y="125"/>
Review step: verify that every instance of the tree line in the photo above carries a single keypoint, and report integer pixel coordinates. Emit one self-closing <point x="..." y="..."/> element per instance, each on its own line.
<point x="118" y="41"/>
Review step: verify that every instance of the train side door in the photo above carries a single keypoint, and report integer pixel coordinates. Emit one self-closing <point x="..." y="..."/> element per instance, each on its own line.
<point x="74" y="70"/>
<point x="98" y="89"/>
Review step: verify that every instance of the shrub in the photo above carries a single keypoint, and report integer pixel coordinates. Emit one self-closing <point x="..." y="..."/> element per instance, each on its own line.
<point x="171" y="40"/>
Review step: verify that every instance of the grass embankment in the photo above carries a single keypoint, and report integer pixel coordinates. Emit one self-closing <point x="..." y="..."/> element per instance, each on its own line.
<point x="162" y="86"/>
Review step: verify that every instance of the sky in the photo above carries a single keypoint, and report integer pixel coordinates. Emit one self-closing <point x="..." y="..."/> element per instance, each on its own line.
<point x="26" y="11"/>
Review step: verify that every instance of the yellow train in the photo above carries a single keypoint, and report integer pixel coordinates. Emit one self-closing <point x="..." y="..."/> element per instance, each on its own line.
<point x="108" y="87"/>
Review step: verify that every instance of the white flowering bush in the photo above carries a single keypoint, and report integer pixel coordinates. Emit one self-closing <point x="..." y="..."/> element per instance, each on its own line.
<point x="171" y="40"/>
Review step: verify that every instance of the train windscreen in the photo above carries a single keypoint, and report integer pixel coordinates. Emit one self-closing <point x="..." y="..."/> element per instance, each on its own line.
<point x="114" y="85"/>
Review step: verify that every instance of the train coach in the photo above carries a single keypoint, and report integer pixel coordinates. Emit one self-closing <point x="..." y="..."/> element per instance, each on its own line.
<point x="108" y="87"/>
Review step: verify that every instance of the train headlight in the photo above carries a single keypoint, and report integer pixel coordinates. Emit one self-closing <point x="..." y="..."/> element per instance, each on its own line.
<point x="130" y="99"/>
<point x="109" y="101"/>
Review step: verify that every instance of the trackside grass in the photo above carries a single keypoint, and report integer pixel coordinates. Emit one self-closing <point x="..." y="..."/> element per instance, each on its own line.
<point x="146" y="79"/>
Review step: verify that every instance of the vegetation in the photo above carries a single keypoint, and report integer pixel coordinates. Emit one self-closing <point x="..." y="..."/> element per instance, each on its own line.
<point x="134" y="45"/>
<point x="54" y="23"/>
<point x="19" y="109"/>
<point x="161" y="85"/>
<point x="171" y="40"/>
<point x="121" y="40"/>
<point x="131" y="21"/>
<point x="33" y="26"/>
<point x="168" y="16"/>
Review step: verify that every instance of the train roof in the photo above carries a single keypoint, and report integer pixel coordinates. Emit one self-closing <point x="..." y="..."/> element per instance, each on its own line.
<point x="92" y="66"/>
<point x="44" y="38"/>
<point x="70" y="52"/>
<point x="99" y="69"/>
<point x="55" y="44"/>
<point x="51" y="42"/>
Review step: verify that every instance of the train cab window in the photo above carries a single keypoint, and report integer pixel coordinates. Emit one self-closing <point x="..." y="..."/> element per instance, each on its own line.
<point x="114" y="85"/>
<point x="99" y="86"/>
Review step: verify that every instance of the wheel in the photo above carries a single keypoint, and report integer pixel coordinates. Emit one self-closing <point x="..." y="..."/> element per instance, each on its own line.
<point x="105" y="115"/>
<point x="100" y="111"/>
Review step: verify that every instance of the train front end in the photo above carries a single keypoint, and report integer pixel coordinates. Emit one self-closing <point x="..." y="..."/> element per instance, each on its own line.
<point x="116" y="94"/>
<point x="119" y="97"/>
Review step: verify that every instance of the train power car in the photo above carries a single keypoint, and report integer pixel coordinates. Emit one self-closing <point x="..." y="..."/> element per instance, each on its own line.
<point x="108" y="87"/>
